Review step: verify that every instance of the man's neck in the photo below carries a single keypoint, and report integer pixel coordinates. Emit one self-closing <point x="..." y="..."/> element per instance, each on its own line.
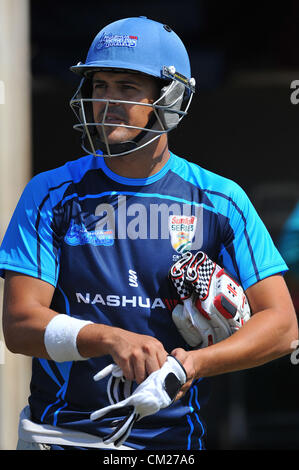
<point x="142" y="163"/>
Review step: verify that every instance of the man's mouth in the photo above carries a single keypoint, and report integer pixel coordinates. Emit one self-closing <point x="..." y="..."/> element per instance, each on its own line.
<point x="113" y="119"/>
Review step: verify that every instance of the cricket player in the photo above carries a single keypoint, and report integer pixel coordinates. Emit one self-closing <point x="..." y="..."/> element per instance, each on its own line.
<point x="131" y="274"/>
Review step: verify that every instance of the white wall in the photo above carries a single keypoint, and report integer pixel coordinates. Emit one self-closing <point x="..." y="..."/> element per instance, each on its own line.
<point x="15" y="171"/>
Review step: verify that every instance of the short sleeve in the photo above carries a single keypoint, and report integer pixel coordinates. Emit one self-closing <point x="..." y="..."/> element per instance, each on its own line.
<point x="28" y="245"/>
<point x="289" y="241"/>
<point x="251" y="253"/>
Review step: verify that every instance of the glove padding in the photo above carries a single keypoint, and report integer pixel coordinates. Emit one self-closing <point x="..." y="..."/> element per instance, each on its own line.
<point x="154" y="393"/>
<point x="214" y="304"/>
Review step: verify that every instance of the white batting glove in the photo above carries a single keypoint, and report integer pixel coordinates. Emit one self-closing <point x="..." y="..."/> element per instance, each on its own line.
<point x="156" y="392"/>
<point x="118" y="387"/>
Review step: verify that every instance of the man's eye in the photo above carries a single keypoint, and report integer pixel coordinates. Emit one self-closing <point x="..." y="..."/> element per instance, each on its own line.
<point x="128" y="87"/>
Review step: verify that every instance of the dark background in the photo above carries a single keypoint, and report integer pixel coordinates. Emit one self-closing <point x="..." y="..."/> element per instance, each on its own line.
<point x="242" y="124"/>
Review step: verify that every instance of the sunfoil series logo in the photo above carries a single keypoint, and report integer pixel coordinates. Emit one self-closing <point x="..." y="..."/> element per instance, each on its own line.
<point x="121" y="221"/>
<point x="182" y="232"/>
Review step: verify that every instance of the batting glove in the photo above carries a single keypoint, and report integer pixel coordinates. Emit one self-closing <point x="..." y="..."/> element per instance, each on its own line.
<point x="216" y="307"/>
<point x="118" y="387"/>
<point x="156" y="392"/>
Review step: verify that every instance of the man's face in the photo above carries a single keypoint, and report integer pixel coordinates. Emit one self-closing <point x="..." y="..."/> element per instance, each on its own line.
<point x="125" y="87"/>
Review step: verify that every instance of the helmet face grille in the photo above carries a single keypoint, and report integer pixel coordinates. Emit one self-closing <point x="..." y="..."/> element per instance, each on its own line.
<point x="167" y="114"/>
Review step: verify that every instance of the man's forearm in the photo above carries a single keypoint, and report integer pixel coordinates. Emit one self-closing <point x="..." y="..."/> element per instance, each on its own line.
<point x="26" y="336"/>
<point x="137" y="354"/>
<point x="265" y="337"/>
<point x="24" y="332"/>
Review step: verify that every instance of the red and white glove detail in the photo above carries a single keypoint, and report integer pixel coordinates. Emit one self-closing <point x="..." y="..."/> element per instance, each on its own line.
<point x="216" y="306"/>
<point x="230" y="300"/>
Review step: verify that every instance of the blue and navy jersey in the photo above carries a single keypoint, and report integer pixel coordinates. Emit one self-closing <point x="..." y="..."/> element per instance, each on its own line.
<point x="106" y="243"/>
<point x="289" y="241"/>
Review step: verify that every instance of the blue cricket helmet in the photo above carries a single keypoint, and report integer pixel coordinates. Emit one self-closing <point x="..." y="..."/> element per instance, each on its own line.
<point x="139" y="45"/>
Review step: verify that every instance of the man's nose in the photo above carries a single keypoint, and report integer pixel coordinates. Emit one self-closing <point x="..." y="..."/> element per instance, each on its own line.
<point x="111" y="94"/>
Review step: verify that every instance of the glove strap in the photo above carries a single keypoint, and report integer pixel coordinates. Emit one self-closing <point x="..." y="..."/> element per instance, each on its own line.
<point x="173" y="383"/>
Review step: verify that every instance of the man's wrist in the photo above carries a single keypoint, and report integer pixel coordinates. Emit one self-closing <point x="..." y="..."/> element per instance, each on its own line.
<point x="95" y="340"/>
<point x="198" y="357"/>
<point x="60" y="338"/>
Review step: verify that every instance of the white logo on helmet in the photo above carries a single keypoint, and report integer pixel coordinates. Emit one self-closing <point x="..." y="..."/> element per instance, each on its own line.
<point x="116" y="40"/>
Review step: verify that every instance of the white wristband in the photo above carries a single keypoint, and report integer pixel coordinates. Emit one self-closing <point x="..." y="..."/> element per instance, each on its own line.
<point x="60" y="338"/>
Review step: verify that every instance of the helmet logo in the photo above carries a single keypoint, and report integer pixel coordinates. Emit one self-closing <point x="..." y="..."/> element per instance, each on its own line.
<point x="116" y="40"/>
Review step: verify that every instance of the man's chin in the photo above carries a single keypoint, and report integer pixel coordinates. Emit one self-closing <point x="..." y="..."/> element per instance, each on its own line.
<point x="115" y="138"/>
<point x="116" y="145"/>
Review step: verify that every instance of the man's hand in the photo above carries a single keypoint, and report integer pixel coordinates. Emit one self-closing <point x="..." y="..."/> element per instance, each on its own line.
<point x="187" y="359"/>
<point x="137" y="355"/>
